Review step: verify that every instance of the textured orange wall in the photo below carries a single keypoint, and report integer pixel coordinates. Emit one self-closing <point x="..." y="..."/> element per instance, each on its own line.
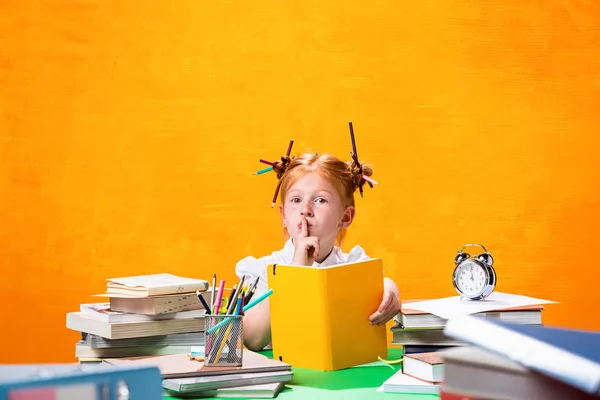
<point x="129" y="132"/>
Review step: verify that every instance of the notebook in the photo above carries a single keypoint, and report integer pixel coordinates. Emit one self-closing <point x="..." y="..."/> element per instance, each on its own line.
<point x="180" y="365"/>
<point x="206" y="383"/>
<point x="265" y="391"/>
<point x="333" y="305"/>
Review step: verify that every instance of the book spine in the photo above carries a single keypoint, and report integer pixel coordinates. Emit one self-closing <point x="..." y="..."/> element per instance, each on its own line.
<point x="451" y="394"/>
<point x="416" y="349"/>
<point x="527" y="351"/>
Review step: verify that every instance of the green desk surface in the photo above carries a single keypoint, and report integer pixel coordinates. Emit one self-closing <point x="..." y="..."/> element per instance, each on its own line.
<point x="352" y="383"/>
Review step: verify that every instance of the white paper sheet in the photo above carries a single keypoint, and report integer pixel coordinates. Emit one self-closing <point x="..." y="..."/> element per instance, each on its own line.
<point x="449" y="307"/>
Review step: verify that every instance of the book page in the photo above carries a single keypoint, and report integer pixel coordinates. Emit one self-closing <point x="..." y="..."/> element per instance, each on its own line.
<point x="449" y="307"/>
<point x="154" y="281"/>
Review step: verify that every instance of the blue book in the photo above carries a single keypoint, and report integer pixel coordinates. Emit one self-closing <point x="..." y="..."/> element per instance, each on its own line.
<point x="79" y="381"/>
<point x="568" y="355"/>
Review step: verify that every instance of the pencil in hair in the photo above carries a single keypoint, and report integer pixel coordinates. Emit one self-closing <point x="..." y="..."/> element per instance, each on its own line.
<point x="355" y="154"/>
<point x="276" y="193"/>
<point x="289" y="150"/>
<point x="262" y="171"/>
<point x="267" y="162"/>
<point x="370" y="180"/>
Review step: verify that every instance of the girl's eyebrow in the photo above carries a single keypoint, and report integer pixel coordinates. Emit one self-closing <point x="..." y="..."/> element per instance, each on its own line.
<point x="318" y="191"/>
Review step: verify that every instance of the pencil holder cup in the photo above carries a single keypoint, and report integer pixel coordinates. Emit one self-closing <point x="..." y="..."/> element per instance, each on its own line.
<point x="223" y="345"/>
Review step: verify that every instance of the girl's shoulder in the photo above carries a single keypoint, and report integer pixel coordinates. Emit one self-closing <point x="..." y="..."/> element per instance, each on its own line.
<point x="357" y="253"/>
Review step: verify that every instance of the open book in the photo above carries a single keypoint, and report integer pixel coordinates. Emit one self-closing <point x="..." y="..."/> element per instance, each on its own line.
<point x="153" y="285"/>
<point x="333" y="305"/>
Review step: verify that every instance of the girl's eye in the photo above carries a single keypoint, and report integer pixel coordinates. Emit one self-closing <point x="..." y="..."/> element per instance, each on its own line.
<point x="321" y="200"/>
<point x="295" y="200"/>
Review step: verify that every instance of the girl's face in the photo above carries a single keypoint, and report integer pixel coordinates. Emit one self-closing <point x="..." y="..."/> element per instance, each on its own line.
<point x="316" y="199"/>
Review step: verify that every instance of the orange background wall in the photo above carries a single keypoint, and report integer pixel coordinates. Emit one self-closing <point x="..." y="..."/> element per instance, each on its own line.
<point x="129" y="132"/>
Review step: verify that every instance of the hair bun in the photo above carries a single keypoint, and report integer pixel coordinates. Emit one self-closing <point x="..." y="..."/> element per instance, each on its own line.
<point x="281" y="166"/>
<point x="358" y="173"/>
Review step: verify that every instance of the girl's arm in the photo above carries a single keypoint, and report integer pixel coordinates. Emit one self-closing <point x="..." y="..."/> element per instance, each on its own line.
<point x="390" y="305"/>
<point x="257" y="326"/>
<point x="390" y="285"/>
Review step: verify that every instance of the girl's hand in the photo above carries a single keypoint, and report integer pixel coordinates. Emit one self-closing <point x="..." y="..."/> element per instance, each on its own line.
<point x="390" y="306"/>
<point x="307" y="247"/>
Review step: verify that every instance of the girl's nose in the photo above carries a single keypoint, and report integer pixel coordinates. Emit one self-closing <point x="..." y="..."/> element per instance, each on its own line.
<point x="306" y="210"/>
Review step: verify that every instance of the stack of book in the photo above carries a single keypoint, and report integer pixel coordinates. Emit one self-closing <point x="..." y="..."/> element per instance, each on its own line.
<point x="421" y="332"/>
<point x="146" y="315"/>
<point x="258" y="376"/>
<point x="514" y="361"/>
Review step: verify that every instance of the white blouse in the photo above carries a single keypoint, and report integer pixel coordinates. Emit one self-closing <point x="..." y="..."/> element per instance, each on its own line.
<point x="253" y="268"/>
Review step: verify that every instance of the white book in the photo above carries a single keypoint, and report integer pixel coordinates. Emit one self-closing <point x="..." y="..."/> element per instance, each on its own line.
<point x="155" y="305"/>
<point x="176" y="339"/>
<point x="264" y="391"/>
<point x="154" y="285"/>
<point x="83" y="350"/>
<point x="80" y="322"/>
<point x="102" y="312"/>
<point x="199" y="384"/>
<point x="401" y="383"/>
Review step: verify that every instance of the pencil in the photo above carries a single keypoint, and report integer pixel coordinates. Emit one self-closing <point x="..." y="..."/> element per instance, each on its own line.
<point x="231" y="295"/>
<point x="244" y="309"/>
<point x="370" y="180"/>
<point x="267" y="162"/>
<point x="212" y="295"/>
<point x="289" y="150"/>
<point x="262" y="171"/>
<point x="231" y="307"/>
<point x="206" y="307"/>
<point x="276" y="193"/>
<point x="251" y="290"/>
<point x="353" y="142"/>
<point x="249" y="296"/>
<point x="223" y="341"/>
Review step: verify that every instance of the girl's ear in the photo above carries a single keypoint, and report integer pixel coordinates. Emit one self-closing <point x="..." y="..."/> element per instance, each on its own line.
<point x="282" y="214"/>
<point x="348" y="217"/>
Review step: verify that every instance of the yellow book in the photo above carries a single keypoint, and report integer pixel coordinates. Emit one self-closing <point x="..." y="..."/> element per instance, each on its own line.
<point x="320" y="316"/>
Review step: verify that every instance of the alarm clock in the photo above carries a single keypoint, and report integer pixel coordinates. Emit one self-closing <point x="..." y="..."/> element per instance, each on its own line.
<point x="474" y="277"/>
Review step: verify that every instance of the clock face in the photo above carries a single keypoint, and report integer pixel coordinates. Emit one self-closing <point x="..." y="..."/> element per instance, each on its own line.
<point x="471" y="278"/>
